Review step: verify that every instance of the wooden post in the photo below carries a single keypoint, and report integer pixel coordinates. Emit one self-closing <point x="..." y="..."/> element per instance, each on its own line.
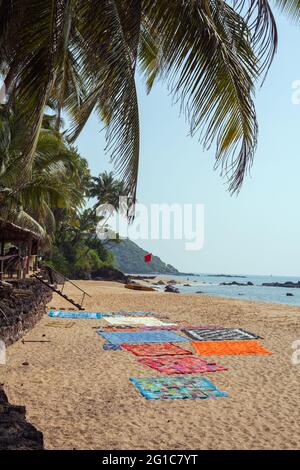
<point x="19" y="270"/>
<point x="2" y="262"/>
<point x="29" y="251"/>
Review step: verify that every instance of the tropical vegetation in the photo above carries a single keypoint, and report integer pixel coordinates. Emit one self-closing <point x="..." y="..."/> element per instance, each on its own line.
<point x="129" y="258"/>
<point x="83" y="56"/>
<point x="69" y="58"/>
<point x="52" y="202"/>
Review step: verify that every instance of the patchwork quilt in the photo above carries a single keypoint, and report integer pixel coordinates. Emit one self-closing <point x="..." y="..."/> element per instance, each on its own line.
<point x="75" y="315"/>
<point x="223" y="348"/>
<point x="181" y="365"/>
<point x="138" y="320"/>
<point x="158" y="388"/>
<point x="222" y="334"/>
<point x="120" y="337"/>
<point x="156" y="349"/>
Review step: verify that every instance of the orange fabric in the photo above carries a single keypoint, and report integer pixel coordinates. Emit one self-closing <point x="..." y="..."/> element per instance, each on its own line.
<point x="223" y="348"/>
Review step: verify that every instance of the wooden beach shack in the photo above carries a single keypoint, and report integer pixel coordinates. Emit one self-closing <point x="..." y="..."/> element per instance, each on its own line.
<point x="18" y="250"/>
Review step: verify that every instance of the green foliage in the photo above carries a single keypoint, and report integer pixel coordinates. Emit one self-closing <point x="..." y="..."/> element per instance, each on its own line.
<point x="79" y="260"/>
<point x="51" y="200"/>
<point x="83" y="56"/>
<point x="59" y="261"/>
<point x="129" y="258"/>
<point x="86" y="260"/>
<point x="77" y="251"/>
<point x="59" y="177"/>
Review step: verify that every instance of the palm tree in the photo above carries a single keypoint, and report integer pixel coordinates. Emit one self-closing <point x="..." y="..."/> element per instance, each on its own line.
<point x="58" y="178"/>
<point x="107" y="190"/>
<point x="84" y="56"/>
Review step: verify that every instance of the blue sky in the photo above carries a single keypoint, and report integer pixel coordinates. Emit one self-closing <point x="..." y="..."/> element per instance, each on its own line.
<point x="256" y="232"/>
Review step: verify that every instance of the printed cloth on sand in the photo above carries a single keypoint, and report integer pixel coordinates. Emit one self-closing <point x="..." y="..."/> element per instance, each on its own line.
<point x="223" y="348"/>
<point x="222" y="334"/>
<point x="177" y="387"/>
<point x="181" y="365"/>
<point x="120" y="320"/>
<point x="120" y="337"/>
<point x="75" y="315"/>
<point x="156" y="349"/>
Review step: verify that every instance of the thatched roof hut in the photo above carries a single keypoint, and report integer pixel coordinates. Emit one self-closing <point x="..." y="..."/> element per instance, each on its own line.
<point x="16" y="235"/>
<point x="10" y="232"/>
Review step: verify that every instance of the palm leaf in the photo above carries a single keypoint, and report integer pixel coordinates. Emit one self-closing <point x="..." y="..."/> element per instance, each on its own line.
<point x="210" y="68"/>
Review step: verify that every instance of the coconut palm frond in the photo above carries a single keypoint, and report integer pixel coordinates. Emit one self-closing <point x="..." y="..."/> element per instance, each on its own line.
<point x="150" y="58"/>
<point x="33" y="65"/>
<point x="24" y="220"/>
<point x="211" y="68"/>
<point x="110" y="54"/>
<point x="82" y="56"/>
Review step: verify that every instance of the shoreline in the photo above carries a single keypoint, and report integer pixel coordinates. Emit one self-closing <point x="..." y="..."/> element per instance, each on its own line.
<point x="181" y="282"/>
<point x="80" y="396"/>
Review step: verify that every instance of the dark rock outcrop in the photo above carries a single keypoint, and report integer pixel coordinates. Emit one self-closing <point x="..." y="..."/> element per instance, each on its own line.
<point x="15" y="432"/>
<point x="21" y="307"/>
<point x="288" y="284"/>
<point x="235" y="283"/>
<point x="172" y="289"/>
<point x="109" y="274"/>
<point x="141" y="278"/>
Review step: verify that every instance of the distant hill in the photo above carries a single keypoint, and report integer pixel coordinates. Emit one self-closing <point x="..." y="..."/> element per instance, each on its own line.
<point x="129" y="258"/>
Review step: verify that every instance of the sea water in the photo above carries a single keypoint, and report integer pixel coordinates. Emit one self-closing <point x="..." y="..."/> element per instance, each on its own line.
<point x="211" y="285"/>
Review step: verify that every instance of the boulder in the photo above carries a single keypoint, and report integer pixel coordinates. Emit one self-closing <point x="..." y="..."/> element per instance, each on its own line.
<point x="172" y="289"/>
<point x="109" y="274"/>
<point x="288" y="284"/>
<point x="235" y="283"/>
<point x="15" y="432"/>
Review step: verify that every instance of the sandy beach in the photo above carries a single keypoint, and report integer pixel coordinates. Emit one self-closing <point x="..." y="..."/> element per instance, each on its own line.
<point x="80" y="396"/>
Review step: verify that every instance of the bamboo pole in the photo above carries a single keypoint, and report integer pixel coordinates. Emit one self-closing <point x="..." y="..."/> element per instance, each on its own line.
<point x="2" y="261"/>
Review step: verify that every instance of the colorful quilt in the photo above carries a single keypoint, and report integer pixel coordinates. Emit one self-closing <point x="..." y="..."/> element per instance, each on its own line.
<point x="129" y="313"/>
<point x="180" y="326"/>
<point x="223" y="348"/>
<point x="111" y="347"/>
<point x="180" y="365"/>
<point x="121" y="337"/>
<point x="120" y="320"/>
<point x="133" y="312"/>
<point x="75" y="315"/>
<point x="164" y="326"/>
<point x="222" y="334"/>
<point x="156" y="349"/>
<point x="177" y="387"/>
<point x="118" y="328"/>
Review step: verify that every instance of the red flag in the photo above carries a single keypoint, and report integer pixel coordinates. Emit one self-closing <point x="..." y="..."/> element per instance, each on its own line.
<point x="148" y="257"/>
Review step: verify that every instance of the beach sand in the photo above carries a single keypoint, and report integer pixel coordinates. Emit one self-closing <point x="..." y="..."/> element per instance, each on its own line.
<point x="80" y="396"/>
